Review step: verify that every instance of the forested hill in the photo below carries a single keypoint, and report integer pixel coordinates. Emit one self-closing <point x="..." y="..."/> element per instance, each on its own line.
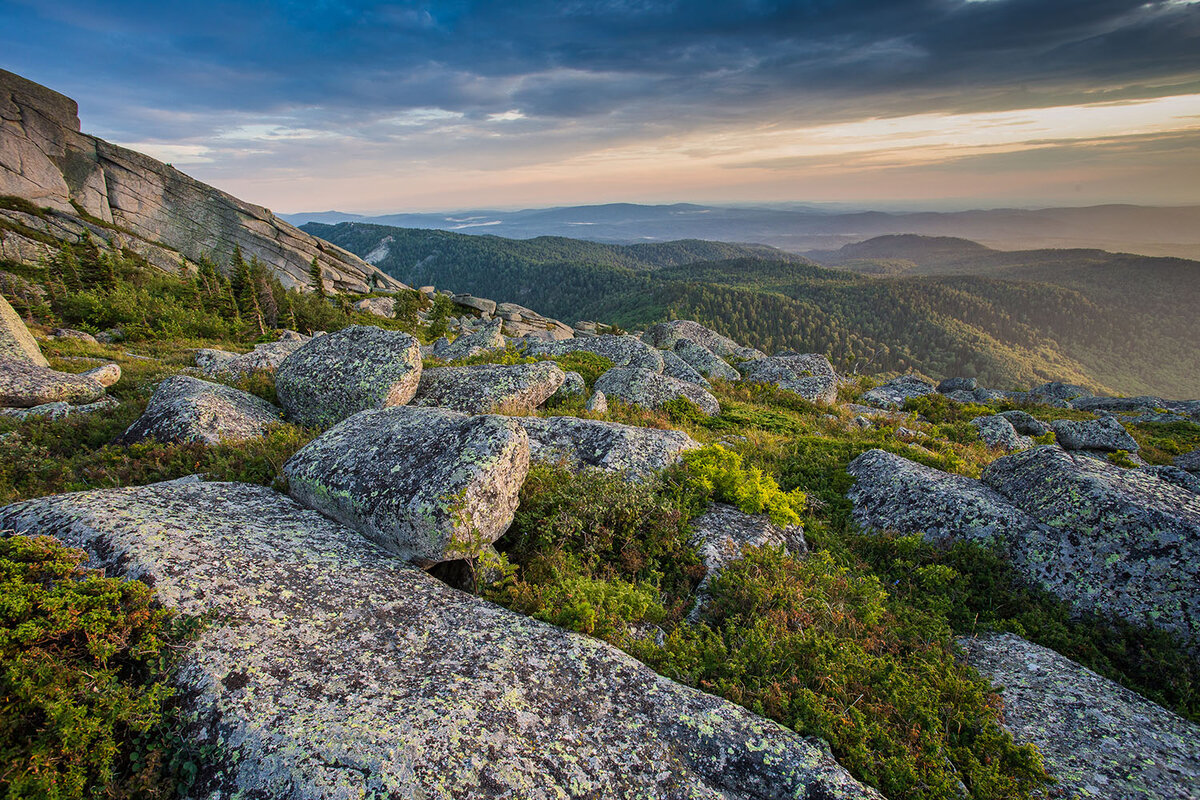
<point x="1103" y="323"/>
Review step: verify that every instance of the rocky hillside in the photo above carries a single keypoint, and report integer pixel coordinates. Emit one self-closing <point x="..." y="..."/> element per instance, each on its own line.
<point x="75" y="183"/>
<point x="447" y="547"/>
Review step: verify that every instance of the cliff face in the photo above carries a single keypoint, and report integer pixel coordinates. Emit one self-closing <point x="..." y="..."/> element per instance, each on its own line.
<point x="45" y="159"/>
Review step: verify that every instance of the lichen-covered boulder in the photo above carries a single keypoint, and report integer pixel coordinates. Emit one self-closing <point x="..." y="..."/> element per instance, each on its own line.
<point x="1057" y="393"/>
<point x="624" y="351"/>
<point x="1189" y="461"/>
<point x="378" y="306"/>
<point x="24" y="384"/>
<point x="665" y="335"/>
<point x="893" y="493"/>
<point x="187" y="409"/>
<point x="1104" y="434"/>
<point x="675" y="367"/>
<point x="489" y="387"/>
<point x="809" y="375"/>
<point x="1144" y="405"/>
<point x="896" y="392"/>
<point x="997" y="431"/>
<point x="488" y="337"/>
<point x="60" y="410"/>
<point x="573" y="385"/>
<point x="724" y="533"/>
<point x="1127" y="542"/>
<point x="957" y="385"/>
<point x="265" y="358"/>
<point x="1097" y="738"/>
<point x="427" y="484"/>
<point x="106" y="374"/>
<point x="597" y="403"/>
<point x="636" y="452"/>
<point x="647" y="389"/>
<point x="1180" y="477"/>
<point x="705" y="361"/>
<point x="16" y="342"/>
<point x="329" y="669"/>
<point x="1025" y="423"/>
<point x="334" y="376"/>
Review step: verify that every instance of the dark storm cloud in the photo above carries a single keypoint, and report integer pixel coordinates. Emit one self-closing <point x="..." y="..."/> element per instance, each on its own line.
<point x="633" y="63"/>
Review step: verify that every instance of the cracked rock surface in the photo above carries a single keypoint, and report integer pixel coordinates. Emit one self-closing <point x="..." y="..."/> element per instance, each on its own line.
<point x="331" y="670"/>
<point x="187" y="409"/>
<point x="486" y="387"/>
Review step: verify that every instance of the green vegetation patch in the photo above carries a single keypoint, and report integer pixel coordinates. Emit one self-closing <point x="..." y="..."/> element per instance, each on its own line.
<point x="1160" y="442"/>
<point x="86" y="662"/>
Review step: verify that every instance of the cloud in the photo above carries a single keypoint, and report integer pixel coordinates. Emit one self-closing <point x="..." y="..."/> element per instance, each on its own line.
<point x="281" y="86"/>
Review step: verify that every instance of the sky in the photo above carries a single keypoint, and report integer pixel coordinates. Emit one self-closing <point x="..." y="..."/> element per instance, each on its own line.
<point x="375" y="107"/>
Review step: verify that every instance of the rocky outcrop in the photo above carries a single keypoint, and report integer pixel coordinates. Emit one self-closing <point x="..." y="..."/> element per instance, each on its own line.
<point x="489" y="337"/>
<point x="378" y="306"/>
<point x="896" y="392"/>
<point x="339" y="374"/>
<point x="705" y="361"/>
<point x="665" y="335"/>
<point x="632" y="451"/>
<point x="998" y="431"/>
<point x="1189" y="461"/>
<point x="1097" y="738"/>
<point x="520" y="321"/>
<point x="1127" y="542"/>
<point x="24" y="384"/>
<point x="675" y="367"/>
<point x="44" y="158"/>
<point x="16" y="342"/>
<point x="1143" y="405"/>
<point x="1174" y="475"/>
<point x="489" y="387"/>
<point x="893" y="493"/>
<point x="724" y="533"/>
<point x="641" y="387"/>
<point x="1103" y="435"/>
<point x="186" y="409"/>
<point x="809" y="375"/>
<point x="623" y="351"/>
<point x="264" y="358"/>
<point x="427" y="484"/>
<point x="330" y="669"/>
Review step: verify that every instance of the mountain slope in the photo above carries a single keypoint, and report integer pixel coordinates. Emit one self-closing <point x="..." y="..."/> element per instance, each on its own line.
<point x="90" y="184"/>
<point x="1062" y="321"/>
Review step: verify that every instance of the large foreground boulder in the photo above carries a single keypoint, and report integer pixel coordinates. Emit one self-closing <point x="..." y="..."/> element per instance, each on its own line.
<point x="489" y="387"/>
<point x="339" y="374"/>
<point x="636" y="452"/>
<point x="623" y="351"/>
<point x="24" y="384"/>
<point x="427" y="484"/>
<point x="647" y="389"/>
<point x="187" y="409"/>
<point x="665" y="335"/>
<point x="1127" y="542"/>
<point x="1097" y="738"/>
<point x="896" y="392"/>
<point x="329" y="670"/>
<point x="16" y="342"/>
<point x="809" y="375"/>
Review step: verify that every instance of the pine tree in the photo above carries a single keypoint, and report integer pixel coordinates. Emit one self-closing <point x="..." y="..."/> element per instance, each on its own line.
<point x="315" y="280"/>
<point x="66" y="268"/>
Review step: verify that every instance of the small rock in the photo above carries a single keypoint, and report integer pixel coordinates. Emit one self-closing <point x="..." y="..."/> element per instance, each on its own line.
<point x="896" y="392"/>
<point x="1104" y="434"/>
<point x="809" y="375"/>
<point x="998" y="431"/>
<point x="477" y="303"/>
<point x="486" y="338"/>
<point x="573" y="385"/>
<point x="647" y="389"/>
<point x="420" y="482"/>
<point x="47" y="410"/>
<point x="486" y="387"/>
<point x="24" y="384"/>
<point x="186" y="409"/>
<point x="636" y="452"/>
<point x="379" y="306"/>
<point x="334" y="376"/>
<point x="110" y="336"/>
<point x="106" y="375"/>
<point x="67" y="333"/>
<point x="1025" y="423"/>
<point x="598" y="403"/>
<point x="1057" y="391"/>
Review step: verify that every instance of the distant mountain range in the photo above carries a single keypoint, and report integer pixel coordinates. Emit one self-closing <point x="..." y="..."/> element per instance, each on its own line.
<point x="942" y="306"/>
<point x="1157" y="231"/>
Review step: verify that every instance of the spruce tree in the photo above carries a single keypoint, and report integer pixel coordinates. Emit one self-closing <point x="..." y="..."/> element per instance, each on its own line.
<point x="314" y="277"/>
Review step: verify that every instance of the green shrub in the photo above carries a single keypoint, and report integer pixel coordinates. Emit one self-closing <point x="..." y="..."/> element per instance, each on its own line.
<point x="85" y="679"/>
<point x="1121" y="459"/>
<point x="716" y="473"/>
<point x="1160" y="442"/>
<point x="589" y="365"/>
<point x="939" y="409"/>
